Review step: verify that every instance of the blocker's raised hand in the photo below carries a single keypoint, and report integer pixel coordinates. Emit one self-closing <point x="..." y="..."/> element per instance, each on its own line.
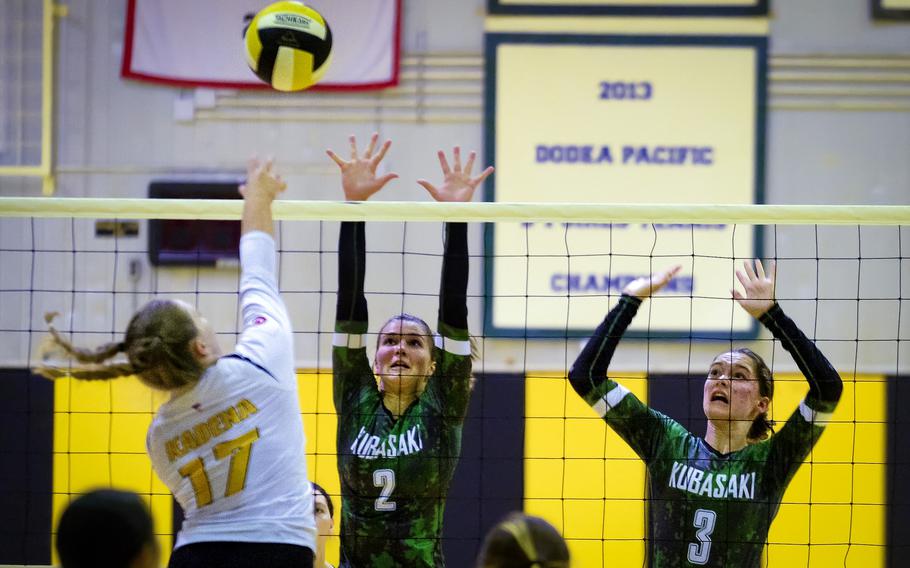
<point x="457" y="184"/>
<point x="758" y="287"/>
<point x="358" y="175"/>
<point x="646" y="286"/>
<point x="261" y="180"/>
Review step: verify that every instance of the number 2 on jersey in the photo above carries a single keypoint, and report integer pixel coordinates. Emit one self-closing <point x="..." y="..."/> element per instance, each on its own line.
<point x="704" y="521"/>
<point x="384" y="478"/>
<point x="239" y="451"/>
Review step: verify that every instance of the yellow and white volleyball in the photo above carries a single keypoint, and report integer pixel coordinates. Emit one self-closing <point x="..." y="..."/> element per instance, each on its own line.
<point x="288" y="45"/>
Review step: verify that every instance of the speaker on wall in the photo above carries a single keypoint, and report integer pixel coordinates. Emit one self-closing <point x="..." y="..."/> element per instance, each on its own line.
<point x="190" y="242"/>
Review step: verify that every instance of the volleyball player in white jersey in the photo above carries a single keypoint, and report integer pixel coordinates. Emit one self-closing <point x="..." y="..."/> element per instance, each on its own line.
<point x="229" y="442"/>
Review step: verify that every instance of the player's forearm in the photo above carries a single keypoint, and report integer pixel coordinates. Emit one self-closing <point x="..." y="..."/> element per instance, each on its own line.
<point x="453" y="305"/>
<point x="351" y="303"/>
<point x="257" y="213"/>
<point x="825" y="385"/>
<point x="258" y="264"/>
<point x="590" y="368"/>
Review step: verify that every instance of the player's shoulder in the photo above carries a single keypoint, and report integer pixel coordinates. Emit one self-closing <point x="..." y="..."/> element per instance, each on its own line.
<point x="676" y="435"/>
<point x="454" y="362"/>
<point x="235" y="366"/>
<point x="348" y="361"/>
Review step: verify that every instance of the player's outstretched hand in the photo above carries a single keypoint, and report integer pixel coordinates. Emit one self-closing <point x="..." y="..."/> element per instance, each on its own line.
<point x="758" y="286"/>
<point x="646" y="286"/>
<point x="261" y="180"/>
<point x="358" y="175"/>
<point x="457" y="183"/>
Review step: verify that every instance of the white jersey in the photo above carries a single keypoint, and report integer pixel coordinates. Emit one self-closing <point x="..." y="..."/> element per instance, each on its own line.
<point x="231" y="449"/>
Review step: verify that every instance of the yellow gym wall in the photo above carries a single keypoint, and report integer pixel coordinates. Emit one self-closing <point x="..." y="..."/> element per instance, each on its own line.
<point x="99" y="441"/>
<point x="838" y="496"/>
<point x="597" y="491"/>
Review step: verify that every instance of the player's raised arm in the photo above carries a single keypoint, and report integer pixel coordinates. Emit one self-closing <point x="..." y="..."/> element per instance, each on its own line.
<point x="260" y="190"/>
<point x="588" y="374"/>
<point x="267" y="334"/>
<point x="458" y="186"/>
<point x="758" y="299"/>
<point x="359" y="181"/>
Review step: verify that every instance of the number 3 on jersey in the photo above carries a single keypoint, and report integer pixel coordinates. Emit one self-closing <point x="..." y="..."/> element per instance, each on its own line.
<point x="239" y="451"/>
<point x="384" y="478"/>
<point x="700" y="551"/>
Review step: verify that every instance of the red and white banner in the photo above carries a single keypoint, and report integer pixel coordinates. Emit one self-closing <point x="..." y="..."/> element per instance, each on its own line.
<point x="199" y="43"/>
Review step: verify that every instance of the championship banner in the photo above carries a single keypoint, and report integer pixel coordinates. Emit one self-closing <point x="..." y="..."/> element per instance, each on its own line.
<point x="199" y="43"/>
<point x="631" y="7"/>
<point x="621" y="119"/>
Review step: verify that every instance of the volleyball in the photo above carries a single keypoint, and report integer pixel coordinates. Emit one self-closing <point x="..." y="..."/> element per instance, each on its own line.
<point x="288" y="45"/>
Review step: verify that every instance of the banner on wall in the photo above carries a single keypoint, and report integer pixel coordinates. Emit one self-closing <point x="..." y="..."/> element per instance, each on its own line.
<point x="621" y="119"/>
<point x="631" y="7"/>
<point x="199" y="43"/>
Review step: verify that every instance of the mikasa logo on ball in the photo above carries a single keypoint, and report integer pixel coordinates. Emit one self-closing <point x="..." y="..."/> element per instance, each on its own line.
<point x="295" y="22"/>
<point x="292" y="20"/>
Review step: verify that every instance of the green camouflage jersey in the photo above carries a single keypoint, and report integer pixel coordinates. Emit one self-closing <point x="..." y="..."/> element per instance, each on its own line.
<point x="707" y="508"/>
<point x="395" y="473"/>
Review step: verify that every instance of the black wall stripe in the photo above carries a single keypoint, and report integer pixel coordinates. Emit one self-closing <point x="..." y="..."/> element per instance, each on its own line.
<point x="26" y="467"/>
<point x="489" y="478"/>
<point x="897" y="492"/>
<point x="679" y="397"/>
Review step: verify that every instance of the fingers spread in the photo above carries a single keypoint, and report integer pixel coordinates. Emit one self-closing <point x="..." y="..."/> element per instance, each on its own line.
<point x="386" y="179"/>
<point x="428" y="186"/>
<point x="747" y="264"/>
<point x="456" y="153"/>
<point x="444" y="162"/>
<point x="372" y="145"/>
<point x="382" y="150"/>
<point x="470" y="164"/>
<point x="341" y="163"/>
<point x="742" y="279"/>
<point x="669" y="274"/>
<point x="483" y="175"/>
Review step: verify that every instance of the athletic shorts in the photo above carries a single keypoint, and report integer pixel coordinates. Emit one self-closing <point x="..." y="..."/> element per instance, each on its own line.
<point x="241" y="555"/>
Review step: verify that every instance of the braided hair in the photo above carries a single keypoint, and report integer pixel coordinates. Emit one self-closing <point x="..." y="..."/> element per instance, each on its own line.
<point x="156" y="344"/>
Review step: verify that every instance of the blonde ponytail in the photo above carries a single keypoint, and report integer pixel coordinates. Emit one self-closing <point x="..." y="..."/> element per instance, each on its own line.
<point x="157" y="346"/>
<point x="91" y="359"/>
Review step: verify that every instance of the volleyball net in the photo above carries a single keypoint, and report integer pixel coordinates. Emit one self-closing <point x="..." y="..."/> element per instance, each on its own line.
<point x="542" y="277"/>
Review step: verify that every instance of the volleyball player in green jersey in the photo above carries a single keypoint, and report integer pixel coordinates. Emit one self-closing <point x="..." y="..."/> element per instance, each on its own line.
<point x="712" y="499"/>
<point x="399" y="440"/>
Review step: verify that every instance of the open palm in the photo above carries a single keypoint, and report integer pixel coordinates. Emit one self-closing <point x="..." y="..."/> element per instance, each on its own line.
<point x="457" y="183"/>
<point x="358" y="175"/>
<point x="758" y="287"/>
